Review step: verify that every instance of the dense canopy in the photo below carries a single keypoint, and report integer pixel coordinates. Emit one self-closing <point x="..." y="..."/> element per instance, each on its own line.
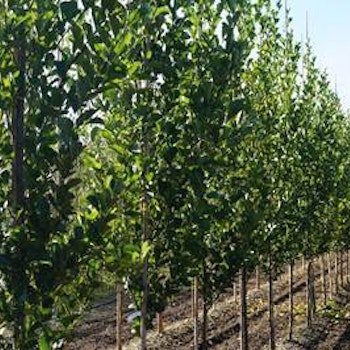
<point x="155" y="142"/>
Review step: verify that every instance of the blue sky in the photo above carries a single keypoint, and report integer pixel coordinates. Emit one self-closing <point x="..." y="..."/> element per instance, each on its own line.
<point x="329" y="31"/>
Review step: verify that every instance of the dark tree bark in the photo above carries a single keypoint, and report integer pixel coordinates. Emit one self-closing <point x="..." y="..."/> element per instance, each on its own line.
<point x="310" y="294"/>
<point x="244" y="323"/>
<point x="145" y="236"/>
<point x="144" y="306"/>
<point x="323" y="280"/>
<point x="341" y="258"/>
<point x="195" y="313"/>
<point x="272" y="341"/>
<point x="291" y="300"/>
<point x="205" y="308"/>
<point x="119" y="315"/>
<point x="330" y="280"/>
<point x="160" y="324"/>
<point x="347" y="266"/>
<point x="18" y="188"/>
<point x="336" y="273"/>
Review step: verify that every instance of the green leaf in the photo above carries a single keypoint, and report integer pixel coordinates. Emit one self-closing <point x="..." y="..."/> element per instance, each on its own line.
<point x="91" y="162"/>
<point x="161" y="10"/>
<point x="94" y="213"/>
<point x="237" y="105"/>
<point x="78" y="34"/>
<point x="69" y="9"/>
<point x="232" y="5"/>
<point x="134" y="67"/>
<point x="109" y="4"/>
<point x="123" y="43"/>
<point x="44" y="343"/>
<point x="145" y="249"/>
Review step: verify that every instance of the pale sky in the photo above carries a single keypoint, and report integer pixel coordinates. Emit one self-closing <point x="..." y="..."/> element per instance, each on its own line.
<point x="329" y="31"/>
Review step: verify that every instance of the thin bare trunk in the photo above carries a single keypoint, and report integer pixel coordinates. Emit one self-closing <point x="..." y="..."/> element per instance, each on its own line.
<point x="144" y="306"/>
<point x="160" y="324"/>
<point x="119" y="315"/>
<point x="341" y="256"/>
<point x="205" y="325"/>
<point x="272" y="341"/>
<point x="336" y="273"/>
<point x="146" y="229"/>
<point x="145" y="237"/>
<point x="244" y="323"/>
<point x="310" y="294"/>
<point x="313" y="300"/>
<point x="18" y="187"/>
<point x="291" y="300"/>
<point x="323" y="280"/>
<point x="330" y="280"/>
<point x="205" y="308"/>
<point x="195" y="313"/>
<point x="347" y="266"/>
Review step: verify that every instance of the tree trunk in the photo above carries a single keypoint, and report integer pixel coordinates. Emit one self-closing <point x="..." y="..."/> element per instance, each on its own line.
<point x="310" y="290"/>
<point x="291" y="300"/>
<point x="323" y="280"/>
<point x="244" y="324"/>
<point x="336" y="273"/>
<point x="272" y="342"/>
<point x="119" y="315"/>
<point x="146" y="236"/>
<point x="160" y="324"/>
<point x="205" y="308"/>
<point x="18" y="203"/>
<point x="330" y="280"/>
<point x="144" y="306"/>
<point x="341" y="255"/>
<point x="347" y="266"/>
<point x="195" y="313"/>
<point x="145" y="215"/>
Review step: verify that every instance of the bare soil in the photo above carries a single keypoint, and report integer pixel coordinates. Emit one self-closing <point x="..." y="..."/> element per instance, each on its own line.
<point x="330" y="330"/>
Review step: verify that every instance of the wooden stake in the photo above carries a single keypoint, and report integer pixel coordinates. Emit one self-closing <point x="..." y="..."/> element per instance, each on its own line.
<point x="18" y="185"/>
<point x="310" y="294"/>
<point x="195" y="313"/>
<point x="160" y="325"/>
<point x="291" y="301"/>
<point x="341" y="258"/>
<point x="347" y="266"/>
<point x="204" y="345"/>
<point x="272" y="342"/>
<point x="323" y="279"/>
<point x="330" y="281"/>
<point x="244" y="324"/>
<point x="119" y="315"/>
<point x="336" y="273"/>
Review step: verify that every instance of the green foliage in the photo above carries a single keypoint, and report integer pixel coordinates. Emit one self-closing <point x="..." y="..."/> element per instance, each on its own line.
<point x="49" y="246"/>
<point x="184" y="134"/>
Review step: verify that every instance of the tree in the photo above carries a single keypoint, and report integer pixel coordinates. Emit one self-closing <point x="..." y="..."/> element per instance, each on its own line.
<point x="51" y="76"/>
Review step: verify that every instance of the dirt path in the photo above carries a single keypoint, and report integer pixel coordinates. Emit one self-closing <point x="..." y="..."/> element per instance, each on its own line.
<point x="97" y="330"/>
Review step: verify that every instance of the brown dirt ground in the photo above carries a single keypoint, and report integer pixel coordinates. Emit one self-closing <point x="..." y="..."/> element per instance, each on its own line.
<point x="331" y="329"/>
